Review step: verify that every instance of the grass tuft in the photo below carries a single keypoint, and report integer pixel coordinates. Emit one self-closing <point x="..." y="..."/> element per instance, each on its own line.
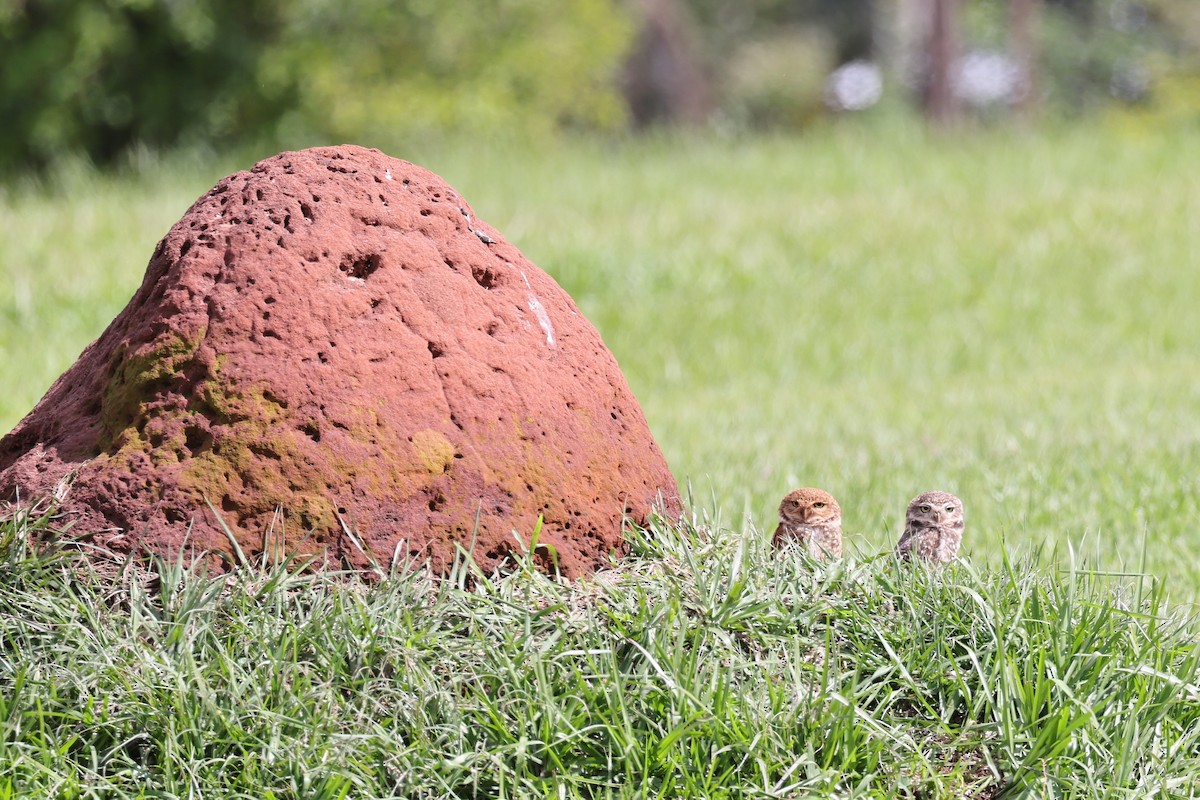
<point x="876" y="312"/>
<point x="704" y="665"/>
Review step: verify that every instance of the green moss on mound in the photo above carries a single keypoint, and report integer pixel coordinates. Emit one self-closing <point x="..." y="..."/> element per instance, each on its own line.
<point x="138" y="378"/>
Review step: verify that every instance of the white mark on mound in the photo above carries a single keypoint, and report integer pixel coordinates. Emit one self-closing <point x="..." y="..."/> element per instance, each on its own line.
<point x="539" y="311"/>
<point x="387" y="174"/>
<point x="543" y="319"/>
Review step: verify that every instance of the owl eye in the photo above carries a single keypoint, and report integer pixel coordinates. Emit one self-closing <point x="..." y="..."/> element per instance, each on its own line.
<point x="924" y="509"/>
<point x="818" y="505"/>
<point x="795" y="504"/>
<point x="950" y="509"/>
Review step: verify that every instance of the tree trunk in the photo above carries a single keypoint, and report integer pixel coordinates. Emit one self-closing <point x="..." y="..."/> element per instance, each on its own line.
<point x="664" y="81"/>
<point x="1023" y="21"/>
<point x="941" y="103"/>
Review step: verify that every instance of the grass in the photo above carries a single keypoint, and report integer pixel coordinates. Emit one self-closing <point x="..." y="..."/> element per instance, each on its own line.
<point x="877" y="313"/>
<point x="1008" y="317"/>
<point x="703" y="666"/>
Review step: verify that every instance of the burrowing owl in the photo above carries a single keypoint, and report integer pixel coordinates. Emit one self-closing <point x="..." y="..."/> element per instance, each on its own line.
<point x="933" y="528"/>
<point x="812" y="517"/>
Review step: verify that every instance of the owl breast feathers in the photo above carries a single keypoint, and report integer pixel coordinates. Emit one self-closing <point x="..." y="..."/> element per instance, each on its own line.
<point x="814" y="519"/>
<point x="933" y="528"/>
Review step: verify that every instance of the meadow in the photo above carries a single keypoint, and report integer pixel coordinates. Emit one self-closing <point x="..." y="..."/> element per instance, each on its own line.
<point x="1010" y="318"/>
<point x="1006" y="316"/>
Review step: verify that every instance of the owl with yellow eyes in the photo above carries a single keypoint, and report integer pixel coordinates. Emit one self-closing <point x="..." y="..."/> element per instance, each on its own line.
<point x="933" y="528"/>
<point x="814" y="519"/>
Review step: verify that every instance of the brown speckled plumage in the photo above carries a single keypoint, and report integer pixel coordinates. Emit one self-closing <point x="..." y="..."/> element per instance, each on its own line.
<point x="933" y="528"/>
<point x="813" y="518"/>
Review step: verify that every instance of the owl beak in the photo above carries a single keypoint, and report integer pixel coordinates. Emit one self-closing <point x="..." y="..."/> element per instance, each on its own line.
<point x="939" y="516"/>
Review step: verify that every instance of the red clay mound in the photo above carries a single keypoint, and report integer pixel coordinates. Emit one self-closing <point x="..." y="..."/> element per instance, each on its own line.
<point x="335" y="335"/>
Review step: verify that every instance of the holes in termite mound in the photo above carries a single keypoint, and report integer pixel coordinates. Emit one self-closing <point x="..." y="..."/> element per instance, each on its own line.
<point x="271" y="397"/>
<point x="196" y="439"/>
<point x="312" y="429"/>
<point x="504" y="553"/>
<point x="307" y="212"/>
<point x="360" y="267"/>
<point x="436" y="350"/>
<point x="485" y="277"/>
<point x="265" y="451"/>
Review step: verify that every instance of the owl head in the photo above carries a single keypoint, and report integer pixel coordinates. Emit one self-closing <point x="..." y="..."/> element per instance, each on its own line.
<point x="935" y="510"/>
<point x="810" y="507"/>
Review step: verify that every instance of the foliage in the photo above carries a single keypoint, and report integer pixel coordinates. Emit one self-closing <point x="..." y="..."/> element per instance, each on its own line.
<point x="769" y="58"/>
<point x="98" y="78"/>
<point x="82" y="76"/>
<point x="1174" y="74"/>
<point x="727" y="23"/>
<point x="778" y="80"/>
<point x="493" y="69"/>
<point x="1136" y="56"/>
<point x="703" y="666"/>
<point x="1085" y="58"/>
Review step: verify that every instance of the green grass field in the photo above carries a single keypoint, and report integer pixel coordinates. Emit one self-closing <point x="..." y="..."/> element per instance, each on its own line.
<point x="703" y="666"/>
<point x="1008" y="317"/>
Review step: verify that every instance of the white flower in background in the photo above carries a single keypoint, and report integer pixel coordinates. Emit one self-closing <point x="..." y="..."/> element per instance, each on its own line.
<point x="854" y="86"/>
<point x="986" y="78"/>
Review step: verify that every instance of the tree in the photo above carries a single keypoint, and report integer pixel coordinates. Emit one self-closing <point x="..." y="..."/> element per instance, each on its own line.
<point x="941" y="100"/>
<point x="1023" y="15"/>
<point x="664" y="79"/>
<point x="81" y="76"/>
<point x="77" y="75"/>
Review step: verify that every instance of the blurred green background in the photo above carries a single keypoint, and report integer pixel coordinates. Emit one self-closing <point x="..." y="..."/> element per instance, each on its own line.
<point x="812" y="268"/>
<point x="101" y="77"/>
